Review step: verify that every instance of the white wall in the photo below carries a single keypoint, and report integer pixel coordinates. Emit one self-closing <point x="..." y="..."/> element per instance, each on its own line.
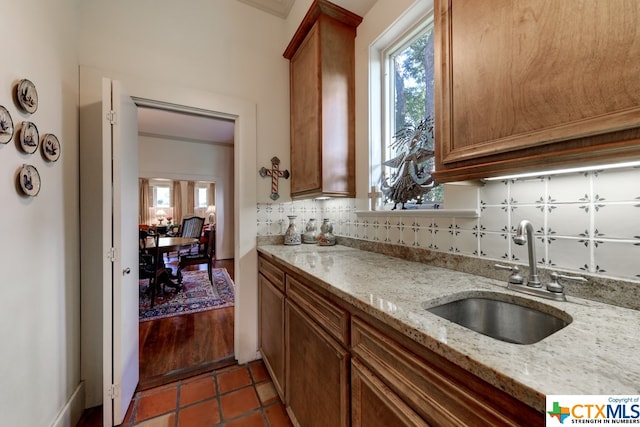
<point x="39" y="255"/>
<point x="220" y="46"/>
<point x="180" y="160"/>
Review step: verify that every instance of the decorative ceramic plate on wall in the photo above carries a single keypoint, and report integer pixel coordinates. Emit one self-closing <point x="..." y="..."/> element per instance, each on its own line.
<point x="50" y="147"/>
<point x="29" y="137"/>
<point x="6" y="125"/>
<point x="29" y="180"/>
<point x="27" y="96"/>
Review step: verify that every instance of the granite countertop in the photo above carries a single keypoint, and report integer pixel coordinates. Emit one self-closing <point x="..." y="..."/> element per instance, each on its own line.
<point x="595" y="354"/>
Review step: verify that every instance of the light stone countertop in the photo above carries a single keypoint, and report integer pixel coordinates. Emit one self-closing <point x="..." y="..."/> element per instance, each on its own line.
<point x="596" y="354"/>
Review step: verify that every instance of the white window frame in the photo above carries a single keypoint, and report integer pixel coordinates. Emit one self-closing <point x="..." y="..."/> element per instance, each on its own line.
<point x="405" y="28"/>
<point x="388" y="83"/>
<point x="199" y="187"/>
<point x="197" y="209"/>
<point x="154" y="184"/>
<point x="412" y="19"/>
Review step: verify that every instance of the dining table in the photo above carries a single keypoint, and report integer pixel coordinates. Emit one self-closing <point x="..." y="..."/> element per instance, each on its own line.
<point x="171" y="244"/>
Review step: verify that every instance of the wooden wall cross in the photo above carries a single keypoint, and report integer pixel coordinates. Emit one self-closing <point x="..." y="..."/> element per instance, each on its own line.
<point x="274" y="173"/>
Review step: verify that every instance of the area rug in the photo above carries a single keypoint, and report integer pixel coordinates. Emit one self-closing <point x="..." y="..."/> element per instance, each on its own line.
<point x="195" y="295"/>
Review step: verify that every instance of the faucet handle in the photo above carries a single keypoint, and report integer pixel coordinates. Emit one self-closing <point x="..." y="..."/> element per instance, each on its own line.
<point x="556" y="287"/>
<point x="515" y="277"/>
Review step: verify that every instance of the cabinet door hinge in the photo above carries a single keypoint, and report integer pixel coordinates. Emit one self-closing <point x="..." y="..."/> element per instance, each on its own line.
<point x="111" y="117"/>
<point x="113" y="391"/>
<point x="111" y="254"/>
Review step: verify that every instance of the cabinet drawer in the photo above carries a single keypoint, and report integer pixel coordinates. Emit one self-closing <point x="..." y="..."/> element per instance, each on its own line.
<point x="332" y="318"/>
<point x="373" y="404"/>
<point x="440" y="392"/>
<point x="271" y="272"/>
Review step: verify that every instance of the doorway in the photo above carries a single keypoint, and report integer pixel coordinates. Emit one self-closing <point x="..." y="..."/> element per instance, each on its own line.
<point x="98" y="342"/>
<point x="182" y="346"/>
<point x="183" y="144"/>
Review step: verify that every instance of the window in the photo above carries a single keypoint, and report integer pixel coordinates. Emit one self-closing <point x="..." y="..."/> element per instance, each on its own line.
<point x="161" y="196"/>
<point x="202" y="197"/>
<point x="160" y="192"/>
<point x="160" y="200"/>
<point x="410" y="79"/>
<point x="406" y="156"/>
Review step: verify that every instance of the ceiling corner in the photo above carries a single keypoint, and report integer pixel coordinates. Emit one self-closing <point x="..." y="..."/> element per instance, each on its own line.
<point x="279" y="8"/>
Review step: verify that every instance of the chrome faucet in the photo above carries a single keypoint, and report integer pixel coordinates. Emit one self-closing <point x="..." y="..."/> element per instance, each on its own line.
<point x="553" y="290"/>
<point x="520" y="239"/>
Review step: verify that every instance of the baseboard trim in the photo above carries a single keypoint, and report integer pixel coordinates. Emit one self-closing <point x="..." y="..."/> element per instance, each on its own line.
<point x="72" y="410"/>
<point x="251" y="358"/>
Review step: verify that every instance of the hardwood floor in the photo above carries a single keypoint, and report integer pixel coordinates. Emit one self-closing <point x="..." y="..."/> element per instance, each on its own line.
<point x="178" y="347"/>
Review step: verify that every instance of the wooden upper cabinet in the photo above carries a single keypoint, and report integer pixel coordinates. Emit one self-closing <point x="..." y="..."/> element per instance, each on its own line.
<point x="322" y="81"/>
<point x="522" y="85"/>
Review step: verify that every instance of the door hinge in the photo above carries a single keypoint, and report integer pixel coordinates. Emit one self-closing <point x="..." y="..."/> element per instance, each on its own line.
<point x="111" y="254"/>
<point x="113" y="391"/>
<point x="112" y="117"/>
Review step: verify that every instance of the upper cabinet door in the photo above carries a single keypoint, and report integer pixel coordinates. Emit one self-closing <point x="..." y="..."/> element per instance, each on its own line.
<point x="322" y="91"/>
<point x="526" y="84"/>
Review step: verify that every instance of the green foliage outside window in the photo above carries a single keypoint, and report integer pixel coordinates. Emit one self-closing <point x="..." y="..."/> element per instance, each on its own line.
<point x="411" y="153"/>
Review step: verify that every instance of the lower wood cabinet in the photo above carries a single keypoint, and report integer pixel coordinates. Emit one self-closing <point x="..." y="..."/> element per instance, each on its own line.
<point x="334" y="365"/>
<point x="271" y="330"/>
<point x="317" y="372"/>
<point x="373" y="404"/>
<point x="439" y="391"/>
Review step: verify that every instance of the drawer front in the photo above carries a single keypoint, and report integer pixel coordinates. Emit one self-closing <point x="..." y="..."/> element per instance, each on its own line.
<point x="373" y="404"/>
<point x="271" y="272"/>
<point x="329" y="316"/>
<point x="438" y="397"/>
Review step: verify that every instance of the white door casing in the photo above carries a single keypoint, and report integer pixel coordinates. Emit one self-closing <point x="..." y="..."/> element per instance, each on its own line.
<point x="96" y="335"/>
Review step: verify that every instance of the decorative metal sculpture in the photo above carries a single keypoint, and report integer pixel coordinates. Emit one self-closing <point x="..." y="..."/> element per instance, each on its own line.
<point x="274" y="173"/>
<point x="412" y="179"/>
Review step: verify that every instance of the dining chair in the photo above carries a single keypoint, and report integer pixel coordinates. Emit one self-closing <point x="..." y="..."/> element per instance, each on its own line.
<point x="206" y="256"/>
<point x="145" y="257"/>
<point x="151" y="264"/>
<point x="192" y="227"/>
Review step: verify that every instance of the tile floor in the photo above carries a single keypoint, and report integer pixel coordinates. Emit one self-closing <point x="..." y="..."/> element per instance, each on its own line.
<point x="240" y="395"/>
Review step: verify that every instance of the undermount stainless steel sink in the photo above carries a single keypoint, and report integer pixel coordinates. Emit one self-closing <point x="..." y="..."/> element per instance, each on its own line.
<point x="503" y="320"/>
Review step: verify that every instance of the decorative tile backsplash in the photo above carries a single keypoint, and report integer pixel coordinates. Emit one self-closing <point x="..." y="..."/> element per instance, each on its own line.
<point x="583" y="222"/>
